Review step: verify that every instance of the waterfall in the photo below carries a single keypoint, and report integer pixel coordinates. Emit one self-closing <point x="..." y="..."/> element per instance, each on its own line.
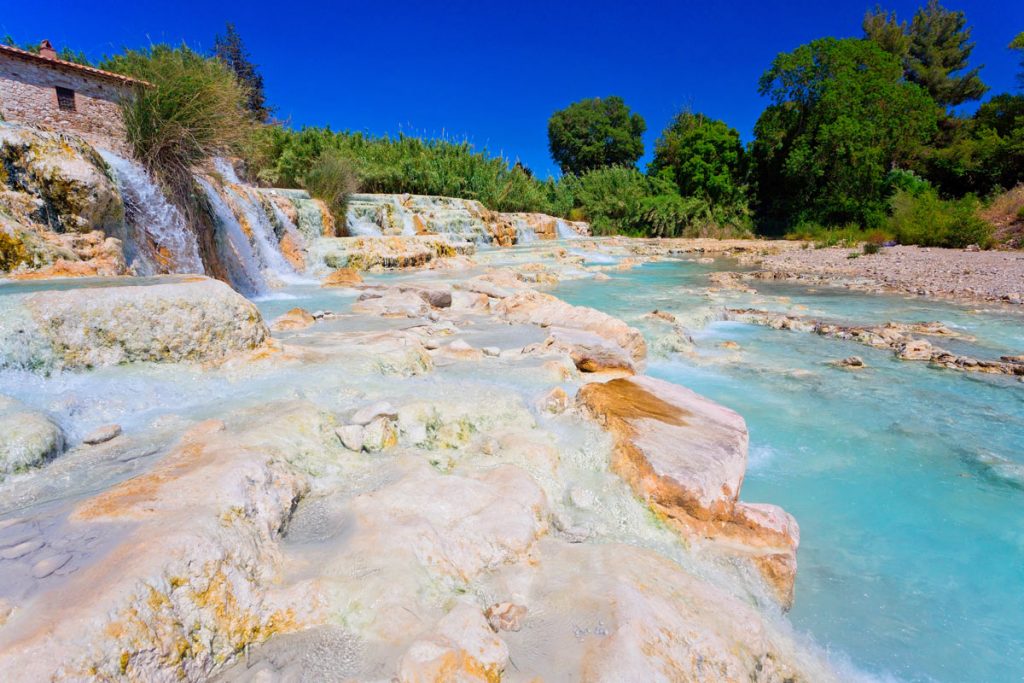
<point x="233" y="246"/>
<point x="564" y="232"/>
<point x="524" y="231"/>
<point x="262" y="234"/>
<point x="157" y="238"/>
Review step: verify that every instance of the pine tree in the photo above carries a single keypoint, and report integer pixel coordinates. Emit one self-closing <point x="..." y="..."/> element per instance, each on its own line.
<point x="935" y="46"/>
<point x="1018" y="45"/>
<point x="231" y="51"/>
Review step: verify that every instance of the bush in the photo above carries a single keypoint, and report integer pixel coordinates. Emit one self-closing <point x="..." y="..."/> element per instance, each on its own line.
<point x="836" y="236"/>
<point x="872" y="248"/>
<point x="924" y="218"/>
<point x="332" y="178"/>
<point x="196" y="111"/>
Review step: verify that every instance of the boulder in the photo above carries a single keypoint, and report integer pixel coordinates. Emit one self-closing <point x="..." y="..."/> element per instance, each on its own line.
<point x="462" y="648"/>
<point x="295" y="319"/>
<point x="548" y="311"/>
<point x="342" y="277"/>
<point x="178" y="319"/>
<point x="28" y="438"/>
<point x="686" y="457"/>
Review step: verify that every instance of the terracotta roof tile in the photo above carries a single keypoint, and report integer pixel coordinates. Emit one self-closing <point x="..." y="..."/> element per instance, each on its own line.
<point x="71" y="66"/>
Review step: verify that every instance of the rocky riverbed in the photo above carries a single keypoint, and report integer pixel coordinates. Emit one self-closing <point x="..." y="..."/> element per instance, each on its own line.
<point x="947" y="273"/>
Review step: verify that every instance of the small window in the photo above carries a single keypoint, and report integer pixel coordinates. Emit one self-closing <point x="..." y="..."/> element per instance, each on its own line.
<point x="65" y="99"/>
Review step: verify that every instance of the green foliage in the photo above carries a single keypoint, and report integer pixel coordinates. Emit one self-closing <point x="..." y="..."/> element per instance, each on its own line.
<point x="1017" y="44"/>
<point x="332" y="178"/>
<point x="622" y="200"/>
<point x="836" y="236"/>
<point x="230" y="50"/>
<point x="65" y="53"/>
<point x="932" y="49"/>
<point x="924" y="218"/>
<point x="705" y="159"/>
<point x="872" y="248"/>
<point x="195" y="111"/>
<point x="413" y="165"/>
<point x="595" y="133"/>
<point x="842" y="117"/>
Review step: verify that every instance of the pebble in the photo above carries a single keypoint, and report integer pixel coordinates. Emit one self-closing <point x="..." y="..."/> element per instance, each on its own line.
<point x="460" y="345"/>
<point x="351" y="437"/>
<point x="366" y="415"/>
<point x="102" y="434"/>
<point x="431" y="344"/>
<point x="492" y="351"/>
<point x="22" y="549"/>
<point x="49" y="565"/>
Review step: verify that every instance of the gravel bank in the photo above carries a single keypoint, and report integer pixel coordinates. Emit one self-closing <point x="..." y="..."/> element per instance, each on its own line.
<point x="966" y="275"/>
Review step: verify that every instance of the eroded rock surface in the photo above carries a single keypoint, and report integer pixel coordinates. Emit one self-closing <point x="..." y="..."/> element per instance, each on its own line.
<point x="686" y="456"/>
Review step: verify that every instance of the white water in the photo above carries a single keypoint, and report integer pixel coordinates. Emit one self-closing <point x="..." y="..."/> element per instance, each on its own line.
<point x="270" y="258"/>
<point x="524" y="233"/>
<point x="564" y="232"/>
<point x="233" y="246"/>
<point x="158" y="239"/>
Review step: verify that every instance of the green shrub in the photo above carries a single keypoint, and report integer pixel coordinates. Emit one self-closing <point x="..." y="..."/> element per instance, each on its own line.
<point x="196" y="111"/>
<point x="332" y="178"/>
<point x="872" y="248"/>
<point x="925" y="219"/>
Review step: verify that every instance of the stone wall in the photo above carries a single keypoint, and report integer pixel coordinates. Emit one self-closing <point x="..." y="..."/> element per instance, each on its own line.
<point x="28" y="95"/>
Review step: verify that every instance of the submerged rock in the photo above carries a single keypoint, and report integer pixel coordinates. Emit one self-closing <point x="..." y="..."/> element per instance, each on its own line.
<point x="686" y="456"/>
<point x="28" y="438"/>
<point x="102" y="434"/>
<point x="295" y="319"/>
<point x="193" y="319"/>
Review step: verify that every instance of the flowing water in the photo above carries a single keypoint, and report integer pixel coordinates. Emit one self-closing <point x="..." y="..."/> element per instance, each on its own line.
<point x="907" y="481"/>
<point x="158" y="240"/>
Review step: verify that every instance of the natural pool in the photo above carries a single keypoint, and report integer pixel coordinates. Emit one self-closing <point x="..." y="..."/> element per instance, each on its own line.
<point x="907" y="481"/>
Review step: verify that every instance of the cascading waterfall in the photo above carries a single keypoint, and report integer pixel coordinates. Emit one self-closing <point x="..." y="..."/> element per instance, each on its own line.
<point x="233" y="247"/>
<point x="157" y="237"/>
<point x="524" y="232"/>
<point x="564" y="232"/>
<point x="262" y="234"/>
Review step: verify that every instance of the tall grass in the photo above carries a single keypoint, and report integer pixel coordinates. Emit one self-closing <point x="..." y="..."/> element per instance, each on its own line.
<point x="195" y="111"/>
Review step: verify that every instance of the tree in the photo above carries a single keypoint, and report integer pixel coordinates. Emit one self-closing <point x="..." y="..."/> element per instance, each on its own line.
<point x="595" y="133"/>
<point x="842" y="117"/>
<point x="935" y="46"/>
<point x="231" y="51"/>
<point x="704" y="158"/>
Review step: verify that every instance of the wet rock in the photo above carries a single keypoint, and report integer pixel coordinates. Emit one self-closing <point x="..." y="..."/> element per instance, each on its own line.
<point x="853" y="362"/>
<point x="28" y="438"/>
<point x="686" y="456"/>
<point x="386" y="253"/>
<point x="729" y="344"/>
<point x="547" y="311"/>
<point x="492" y="351"/>
<point x="102" y="434"/>
<point x="367" y="414"/>
<point x="49" y="564"/>
<point x="178" y="319"/>
<point x="295" y="319"/>
<point x="379" y="434"/>
<point x="342" y="277"/>
<point x="505" y="616"/>
<point x="351" y="437"/>
<point x="915" y="349"/>
<point x="391" y="304"/>
<point x="555" y="401"/>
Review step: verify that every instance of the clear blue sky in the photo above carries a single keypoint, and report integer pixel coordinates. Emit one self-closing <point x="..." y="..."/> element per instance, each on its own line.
<point x="493" y="72"/>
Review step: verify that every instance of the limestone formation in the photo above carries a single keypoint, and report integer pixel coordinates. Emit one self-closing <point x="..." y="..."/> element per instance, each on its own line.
<point x="178" y="319"/>
<point x="28" y="438"/>
<point x="686" y="456"/>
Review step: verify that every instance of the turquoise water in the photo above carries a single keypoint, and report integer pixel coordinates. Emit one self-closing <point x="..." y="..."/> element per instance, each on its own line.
<point x="907" y="481"/>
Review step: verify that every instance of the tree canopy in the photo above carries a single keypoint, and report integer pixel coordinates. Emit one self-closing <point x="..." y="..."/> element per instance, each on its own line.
<point x="595" y="133"/>
<point x="229" y="49"/>
<point x="842" y="117"/>
<point x="933" y="49"/>
<point x="704" y="157"/>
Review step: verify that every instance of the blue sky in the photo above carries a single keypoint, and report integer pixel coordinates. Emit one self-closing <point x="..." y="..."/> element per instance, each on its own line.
<point x="494" y="72"/>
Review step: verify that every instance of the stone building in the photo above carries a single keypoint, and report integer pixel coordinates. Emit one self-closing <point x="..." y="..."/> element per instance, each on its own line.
<point x="49" y="93"/>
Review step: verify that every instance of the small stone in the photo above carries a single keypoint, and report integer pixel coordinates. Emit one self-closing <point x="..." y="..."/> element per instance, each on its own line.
<point x="351" y="437"/>
<point x="850" y="362"/>
<point x="729" y="345"/>
<point x="102" y="434"/>
<point x="431" y="344"/>
<point x="365" y="415"/>
<point x="380" y="434"/>
<point x="915" y="349"/>
<point x="49" y="565"/>
<point x="342" y="277"/>
<point x="295" y="319"/>
<point x="22" y="549"/>
<point x="433" y="316"/>
<point x="460" y="345"/>
<point x="492" y="351"/>
<point x="555" y="401"/>
<point x="319" y="315"/>
<point x="505" y="616"/>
